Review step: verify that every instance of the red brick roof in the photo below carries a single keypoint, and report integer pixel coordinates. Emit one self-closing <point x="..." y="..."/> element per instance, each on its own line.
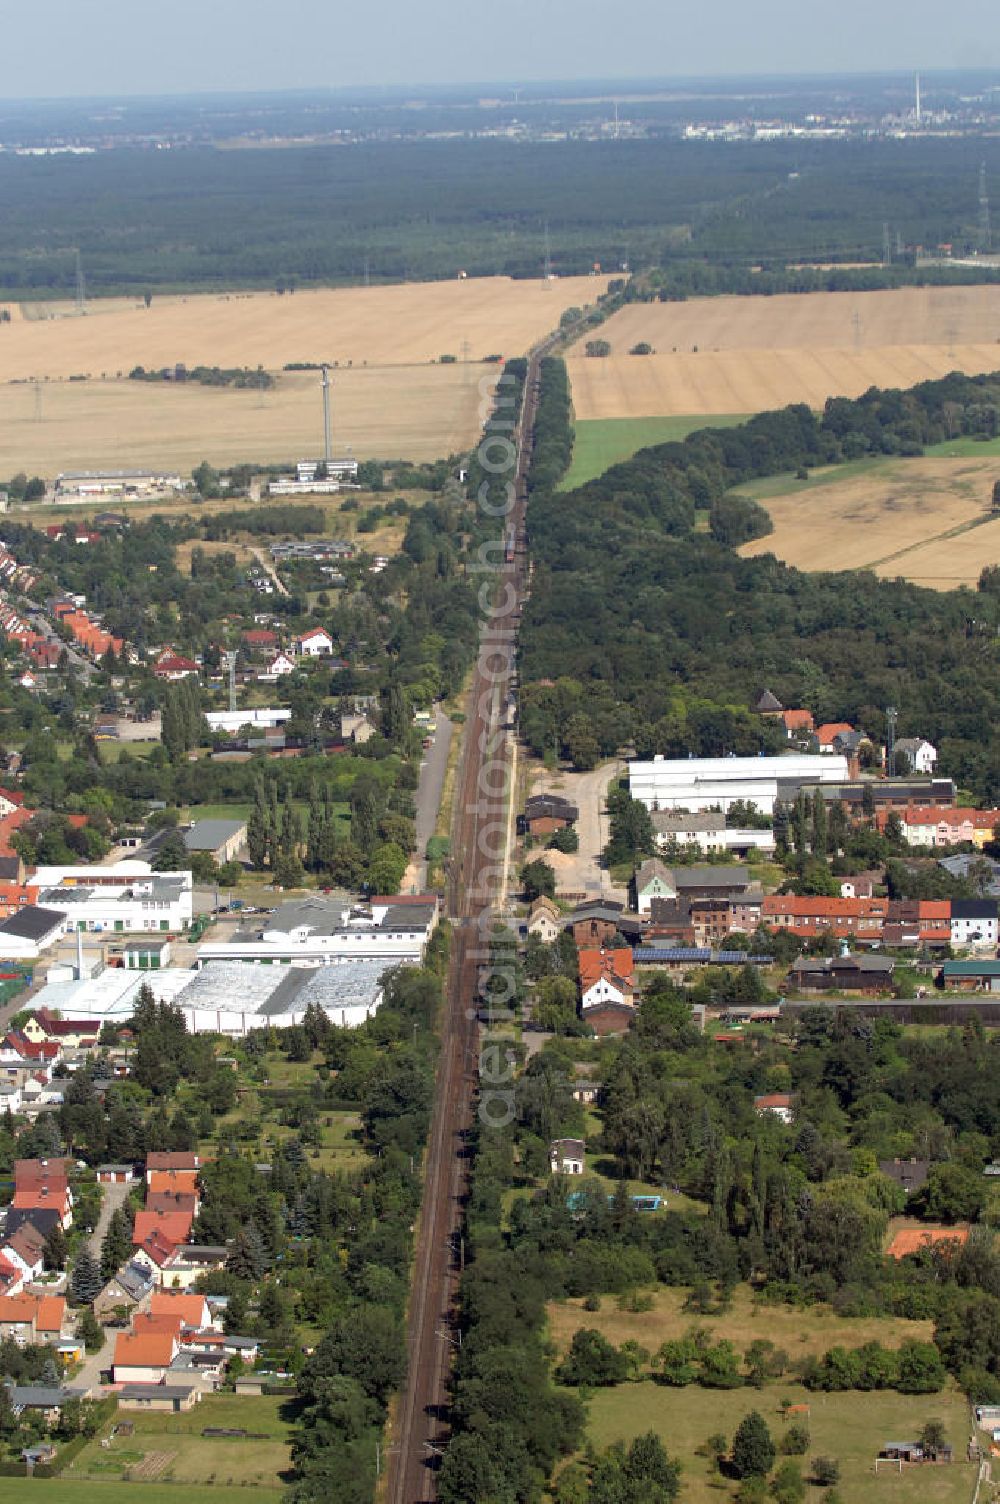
<point x="616" y="965"/>
<point x="155" y="1350"/>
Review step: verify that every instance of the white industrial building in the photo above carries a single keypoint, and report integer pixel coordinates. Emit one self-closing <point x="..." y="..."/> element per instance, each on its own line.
<point x="234" y="720"/>
<point x="326" y="932"/>
<point x="700" y="783"/>
<point x="233" y="997"/>
<point x="708" y="832"/>
<point x="105" y="900"/>
<point x="86" y="483"/>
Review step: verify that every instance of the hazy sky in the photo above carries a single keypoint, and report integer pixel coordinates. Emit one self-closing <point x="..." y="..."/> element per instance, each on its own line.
<point x="79" y="47"/>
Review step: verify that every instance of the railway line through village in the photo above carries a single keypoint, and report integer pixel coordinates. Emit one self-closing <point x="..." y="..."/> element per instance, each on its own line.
<point x="421" y="1429"/>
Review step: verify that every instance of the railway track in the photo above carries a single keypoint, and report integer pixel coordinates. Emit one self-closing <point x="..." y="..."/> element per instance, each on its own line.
<point x="421" y="1431"/>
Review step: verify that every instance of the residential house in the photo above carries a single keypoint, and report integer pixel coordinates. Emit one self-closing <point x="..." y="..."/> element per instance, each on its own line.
<point x="278" y="667"/>
<point x="767" y="703"/>
<point x="805" y="917"/>
<point x="670" y="920"/>
<point x="188" y="1262"/>
<point x="315" y="643"/>
<point x="11" y="1278"/>
<point x="920" y="755"/>
<point x="708" y="831"/>
<point x="68" y="1033"/>
<point x="170" y="1160"/>
<point x="798" y="724"/>
<point x="546" y="813"/>
<point x="143" y="1359"/>
<point x="129" y="1290"/>
<point x="356" y="729"/>
<point x="926" y="826"/>
<point x="171" y="666"/>
<point x="544" y="920"/>
<point x="974" y="922"/>
<point x="607" y="983"/>
<point x="599" y="922"/>
<point x="45" y="1400"/>
<point x="909" y="1174"/>
<point x="653" y="880"/>
<point x="26" y="1250"/>
<point x="918" y="921"/>
<point x="860" y="885"/>
<point x="775" y="1104"/>
<point x="172" y="1182"/>
<point x="191" y="1309"/>
<point x="260" y="641"/>
<point x="567" y="1156"/>
<point x="826" y="735"/>
<point x="173" y="1227"/>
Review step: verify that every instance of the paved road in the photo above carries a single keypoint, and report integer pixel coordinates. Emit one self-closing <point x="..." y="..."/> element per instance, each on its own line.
<point x="429" y="791"/>
<point x="113" y="1197"/>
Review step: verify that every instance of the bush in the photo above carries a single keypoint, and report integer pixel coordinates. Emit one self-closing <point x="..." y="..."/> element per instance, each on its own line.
<point x="824" y="1471"/>
<point x="795" y="1442"/>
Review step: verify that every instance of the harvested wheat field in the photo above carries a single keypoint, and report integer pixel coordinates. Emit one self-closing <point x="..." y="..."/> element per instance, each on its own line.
<point x="925" y="520"/>
<point x="408" y="324"/>
<point x="731" y="354"/>
<point x="418" y="413"/>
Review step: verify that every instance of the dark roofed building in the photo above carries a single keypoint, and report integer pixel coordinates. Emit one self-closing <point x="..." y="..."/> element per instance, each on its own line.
<point x="30" y="930"/>
<point x="545" y="813"/>
<point x="853" y="973"/>
<point x="711" y="882"/>
<point x="767" y="703"/>
<point x="910" y="1174"/>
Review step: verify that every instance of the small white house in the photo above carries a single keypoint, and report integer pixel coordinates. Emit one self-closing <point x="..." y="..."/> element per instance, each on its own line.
<point x="974" y="923"/>
<point x="775" y="1104"/>
<point x="920" y="754"/>
<point x="316" y="643"/>
<point x="653" y="880"/>
<point x="279" y="666"/>
<point x="567" y="1156"/>
<point x="543" y="920"/>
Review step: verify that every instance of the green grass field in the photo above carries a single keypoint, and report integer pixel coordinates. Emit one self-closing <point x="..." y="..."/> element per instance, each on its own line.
<point x="603" y="442"/>
<point x="798" y="1332"/>
<point x="849" y="1427"/>
<point x="170" y="1449"/>
<point x="963" y="449"/>
<point x="72" y="1490"/>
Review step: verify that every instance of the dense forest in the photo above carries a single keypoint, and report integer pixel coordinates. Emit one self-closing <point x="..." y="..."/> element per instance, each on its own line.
<point x="640" y="630"/>
<point x="389" y="211"/>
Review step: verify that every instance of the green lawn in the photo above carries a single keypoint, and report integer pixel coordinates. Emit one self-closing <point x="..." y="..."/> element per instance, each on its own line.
<point x="849" y="1427"/>
<point x="602" y="442"/>
<point x="963" y="449"/>
<point x="71" y="1490"/>
<point x="170" y="1449"/>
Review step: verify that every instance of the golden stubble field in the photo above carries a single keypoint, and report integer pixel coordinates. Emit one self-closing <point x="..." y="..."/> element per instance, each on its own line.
<point x="391" y="397"/>
<point x="915" y="519"/>
<point x="730" y="354"/>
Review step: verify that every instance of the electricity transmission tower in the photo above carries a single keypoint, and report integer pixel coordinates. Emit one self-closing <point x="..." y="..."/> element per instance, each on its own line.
<point x="985" y="234"/>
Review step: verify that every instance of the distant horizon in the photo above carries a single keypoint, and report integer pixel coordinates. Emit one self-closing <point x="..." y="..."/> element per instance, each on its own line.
<point x="62" y="51"/>
<point x="598" y="85"/>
